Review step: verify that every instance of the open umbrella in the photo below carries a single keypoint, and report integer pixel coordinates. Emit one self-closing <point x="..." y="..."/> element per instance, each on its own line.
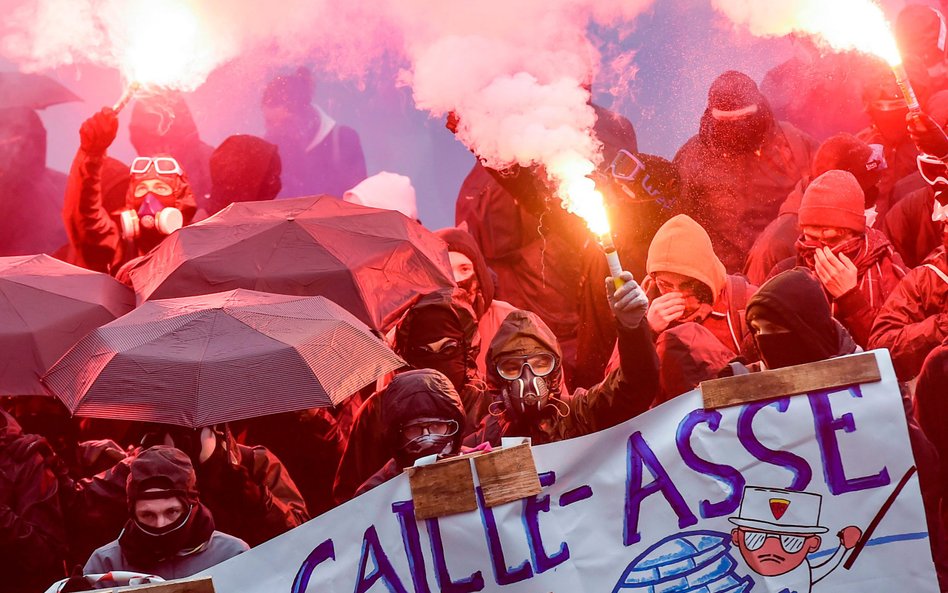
<point x="229" y="356"/>
<point x="36" y="91"/>
<point x="46" y="306"/>
<point x="374" y="263"/>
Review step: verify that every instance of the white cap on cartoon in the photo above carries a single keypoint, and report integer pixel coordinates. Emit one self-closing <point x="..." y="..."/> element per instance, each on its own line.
<point x="779" y="511"/>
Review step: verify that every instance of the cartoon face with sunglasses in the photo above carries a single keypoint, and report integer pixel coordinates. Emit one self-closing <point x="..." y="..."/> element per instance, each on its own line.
<point x="777" y="529"/>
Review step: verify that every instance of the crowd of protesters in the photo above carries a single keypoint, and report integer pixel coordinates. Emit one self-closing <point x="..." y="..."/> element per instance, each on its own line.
<point x="757" y="247"/>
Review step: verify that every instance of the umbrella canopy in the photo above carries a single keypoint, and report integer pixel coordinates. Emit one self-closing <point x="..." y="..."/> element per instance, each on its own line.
<point x="46" y="306"/>
<point x="198" y="361"/>
<point x="36" y="91"/>
<point x="374" y="263"/>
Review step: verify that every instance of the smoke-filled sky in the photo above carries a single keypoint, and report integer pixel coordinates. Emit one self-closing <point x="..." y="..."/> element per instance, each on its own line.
<point x="514" y="69"/>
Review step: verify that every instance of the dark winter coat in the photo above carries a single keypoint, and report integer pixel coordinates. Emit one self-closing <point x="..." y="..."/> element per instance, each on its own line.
<point x="624" y="393"/>
<point x="776" y="242"/>
<point x="248" y="491"/>
<point x="734" y="197"/>
<point x="32" y="539"/>
<point x="914" y="319"/>
<point x="910" y="228"/>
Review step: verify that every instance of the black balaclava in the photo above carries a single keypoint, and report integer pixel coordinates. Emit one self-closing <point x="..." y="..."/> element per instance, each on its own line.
<point x="164" y="472"/>
<point x="733" y="91"/>
<point x="415" y="395"/>
<point x="434" y="317"/>
<point x="794" y="300"/>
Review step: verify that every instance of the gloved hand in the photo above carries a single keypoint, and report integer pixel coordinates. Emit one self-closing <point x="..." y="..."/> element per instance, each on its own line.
<point x="629" y="303"/>
<point x="453" y="121"/>
<point x="98" y="132"/>
<point x="928" y="136"/>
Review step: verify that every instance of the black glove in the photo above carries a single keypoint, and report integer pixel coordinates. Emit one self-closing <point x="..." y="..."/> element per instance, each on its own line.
<point x="928" y="136"/>
<point x="237" y="479"/>
<point x="98" y="132"/>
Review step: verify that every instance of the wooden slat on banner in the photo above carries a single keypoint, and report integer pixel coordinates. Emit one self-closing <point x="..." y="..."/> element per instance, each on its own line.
<point x="826" y="374"/>
<point x="442" y="488"/>
<point x="507" y="475"/>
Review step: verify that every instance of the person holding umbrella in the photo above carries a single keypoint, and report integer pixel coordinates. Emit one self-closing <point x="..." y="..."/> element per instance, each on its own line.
<point x="169" y="533"/>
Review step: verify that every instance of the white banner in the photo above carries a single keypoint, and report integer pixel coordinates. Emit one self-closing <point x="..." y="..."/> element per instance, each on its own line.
<point x="770" y="497"/>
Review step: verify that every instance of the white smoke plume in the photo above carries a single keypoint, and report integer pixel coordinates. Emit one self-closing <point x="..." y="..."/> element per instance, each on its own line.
<point x="517" y="73"/>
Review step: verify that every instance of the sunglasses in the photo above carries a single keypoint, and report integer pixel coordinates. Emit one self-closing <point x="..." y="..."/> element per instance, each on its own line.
<point x="541" y="364"/>
<point x="933" y="170"/>
<point x="791" y="544"/>
<point x="164" y="165"/>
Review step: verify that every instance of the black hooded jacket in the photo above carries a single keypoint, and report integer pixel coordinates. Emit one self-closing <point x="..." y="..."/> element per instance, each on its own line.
<point x="32" y="539"/>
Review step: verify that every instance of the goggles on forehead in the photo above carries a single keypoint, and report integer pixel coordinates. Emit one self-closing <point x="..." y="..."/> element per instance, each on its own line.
<point x="164" y="165"/>
<point x="933" y="170"/>
<point x="541" y="364"/>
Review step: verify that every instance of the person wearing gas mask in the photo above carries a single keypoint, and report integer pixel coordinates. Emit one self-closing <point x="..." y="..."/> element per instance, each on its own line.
<point x="169" y="533"/>
<point x="158" y="201"/>
<point x="842" y="151"/>
<point x="439" y="332"/>
<point x="525" y="377"/>
<point x="248" y="490"/>
<point x="856" y="265"/>
<point x="740" y="166"/>
<point x="422" y="415"/>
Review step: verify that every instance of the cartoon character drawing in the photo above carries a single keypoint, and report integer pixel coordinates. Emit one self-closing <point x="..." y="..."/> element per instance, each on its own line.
<point x="777" y="529"/>
<point x="692" y="562"/>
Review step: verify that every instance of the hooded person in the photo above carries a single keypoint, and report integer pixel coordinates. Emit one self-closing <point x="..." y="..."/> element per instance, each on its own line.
<point x="688" y="283"/>
<point x="243" y="168"/>
<point x="31" y="195"/>
<point x="922" y="35"/>
<point x="887" y="110"/>
<point x="387" y="191"/>
<point x="319" y="156"/>
<point x="421" y="415"/>
<point x="525" y="377"/>
<point x="32" y="539"/>
<point x="158" y="201"/>
<point x="792" y="325"/>
<point x="248" y="490"/>
<point x="476" y="281"/>
<point x="842" y="151"/>
<point x="438" y="332"/>
<point x="912" y="224"/>
<point x="914" y="320"/>
<point x="740" y="166"/>
<point x="857" y="266"/>
<point x="163" y="124"/>
<point x="542" y="256"/>
<point x="169" y="533"/>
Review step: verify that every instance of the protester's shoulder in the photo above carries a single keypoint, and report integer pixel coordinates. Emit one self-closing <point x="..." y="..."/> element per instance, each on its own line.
<point x="691" y="149"/>
<point x="226" y="544"/>
<point x="104" y="559"/>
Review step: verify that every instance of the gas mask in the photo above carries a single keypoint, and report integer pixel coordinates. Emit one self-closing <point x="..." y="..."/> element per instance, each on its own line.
<point x="527" y="391"/>
<point x="157" y="186"/>
<point x="427" y="436"/>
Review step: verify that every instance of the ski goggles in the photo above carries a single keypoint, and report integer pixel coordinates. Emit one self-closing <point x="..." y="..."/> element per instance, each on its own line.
<point x="933" y="170"/>
<point x="164" y="165"/>
<point x="754" y="540"/>
<point x="425" y="426"/>
<point x="626" y="166"/>
<point x="541" y="364"/>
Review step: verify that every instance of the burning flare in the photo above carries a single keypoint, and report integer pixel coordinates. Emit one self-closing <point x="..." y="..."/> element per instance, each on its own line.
<point x="164" y="45"/>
